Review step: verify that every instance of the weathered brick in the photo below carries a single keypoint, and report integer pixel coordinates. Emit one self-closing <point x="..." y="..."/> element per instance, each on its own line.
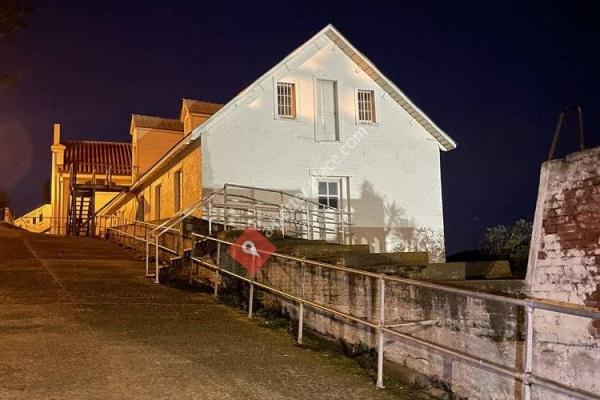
<point x="569" y="227"/>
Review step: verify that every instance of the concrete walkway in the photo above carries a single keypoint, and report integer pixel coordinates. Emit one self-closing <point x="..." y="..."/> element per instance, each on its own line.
<point x="79" y="321"/>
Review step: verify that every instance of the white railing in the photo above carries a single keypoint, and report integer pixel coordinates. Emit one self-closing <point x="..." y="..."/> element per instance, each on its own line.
<point x="523" y="373"/>
<point x="239" y="207"/>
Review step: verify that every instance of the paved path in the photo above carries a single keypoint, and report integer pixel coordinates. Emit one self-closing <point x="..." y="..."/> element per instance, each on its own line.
<point x="79" y="321"/>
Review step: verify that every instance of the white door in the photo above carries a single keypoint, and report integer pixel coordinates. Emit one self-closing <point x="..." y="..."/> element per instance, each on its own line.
<point x="326" y="111"/>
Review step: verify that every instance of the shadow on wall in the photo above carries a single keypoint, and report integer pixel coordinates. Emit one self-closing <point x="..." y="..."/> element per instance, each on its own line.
<point x="388" y="228"/>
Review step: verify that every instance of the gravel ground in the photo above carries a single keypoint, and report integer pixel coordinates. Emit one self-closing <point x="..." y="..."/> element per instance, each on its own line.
<point x="79" y="321"/>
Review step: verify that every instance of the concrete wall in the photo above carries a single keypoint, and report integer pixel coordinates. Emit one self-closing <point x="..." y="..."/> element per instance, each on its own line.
<point x="390" y="170"/>
<point x="480" y="328"/>
<point x="564" y="266"/>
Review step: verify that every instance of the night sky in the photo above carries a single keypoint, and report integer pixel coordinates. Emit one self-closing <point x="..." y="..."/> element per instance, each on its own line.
<point x="493" y="76"/>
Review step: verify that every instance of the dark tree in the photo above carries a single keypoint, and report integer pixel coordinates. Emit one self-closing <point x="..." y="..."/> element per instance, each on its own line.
<point x="510" y="243"/>
<point x="13" y="17"/>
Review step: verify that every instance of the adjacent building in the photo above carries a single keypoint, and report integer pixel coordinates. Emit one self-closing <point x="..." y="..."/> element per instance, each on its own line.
<point x="323" y="123"/>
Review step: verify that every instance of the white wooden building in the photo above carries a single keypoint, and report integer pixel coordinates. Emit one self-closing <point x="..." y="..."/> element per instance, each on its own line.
<point x="324" y="123"/>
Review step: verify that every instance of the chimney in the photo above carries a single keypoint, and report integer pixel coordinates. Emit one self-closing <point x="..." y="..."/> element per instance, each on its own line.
<point x="56" y="134"/>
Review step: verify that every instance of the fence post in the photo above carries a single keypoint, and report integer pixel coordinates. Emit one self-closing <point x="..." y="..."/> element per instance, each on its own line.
<point x="342" y="227"/>
<point x="210" y="218"/>
<point x="225" y="211"/>
<point x="528" y="359"/>
<point x="251" y="295"/>
<point x="281" y="221"/>
<point x="380" y="336"/>
<point x="147" y="251"/>
<point x="308" y="223"/>
<point x="301" y="305"/>
<point x="217" y="273"/>
<point x="156" y="279"/>
<point x="281" y="217"/>
<point x="191" y="259"/>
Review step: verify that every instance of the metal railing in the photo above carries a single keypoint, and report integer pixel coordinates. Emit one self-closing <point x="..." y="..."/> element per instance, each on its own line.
<point x="523" y="373"/>
<point x="59" y="225"/>
<point x="239" y="207"/>
<point x="139" y="235"/>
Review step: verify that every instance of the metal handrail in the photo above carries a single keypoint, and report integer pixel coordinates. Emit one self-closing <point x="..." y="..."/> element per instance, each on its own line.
<point x="141" y="239"/>
<point x="232" y="185"/>
<point x="524" y="374"/>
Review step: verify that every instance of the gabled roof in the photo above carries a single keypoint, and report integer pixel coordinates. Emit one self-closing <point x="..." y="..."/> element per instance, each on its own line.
<point x="446" y="143"/>
<point x="94" y="156"/>
<point x="151" y="122"/>
<point x="200" y="107"/>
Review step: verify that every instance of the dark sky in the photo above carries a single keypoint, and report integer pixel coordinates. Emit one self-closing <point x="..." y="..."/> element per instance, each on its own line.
<point x="493" y="75"/>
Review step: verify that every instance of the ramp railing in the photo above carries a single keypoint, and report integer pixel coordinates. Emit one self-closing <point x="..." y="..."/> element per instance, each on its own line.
<point x="292" y="285"/>
<point x="240" y="207"/>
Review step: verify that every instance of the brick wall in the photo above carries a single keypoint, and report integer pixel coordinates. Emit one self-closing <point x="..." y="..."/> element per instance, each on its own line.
<point x="564" y="266"/>
<point x="567" y="241"/>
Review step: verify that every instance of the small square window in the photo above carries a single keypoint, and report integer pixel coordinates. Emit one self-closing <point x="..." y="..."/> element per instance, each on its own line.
<point x="366" y="106"/>
<point x="286" y="100"/>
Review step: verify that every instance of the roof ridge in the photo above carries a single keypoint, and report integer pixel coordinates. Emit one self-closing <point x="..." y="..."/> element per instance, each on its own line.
<point x="153" y="116"/>
<point x="203" y="101"/>
<point x="96" y="141"/>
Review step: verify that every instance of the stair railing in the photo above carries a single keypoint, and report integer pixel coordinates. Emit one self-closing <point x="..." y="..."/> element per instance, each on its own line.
<point x="167" y="226"/>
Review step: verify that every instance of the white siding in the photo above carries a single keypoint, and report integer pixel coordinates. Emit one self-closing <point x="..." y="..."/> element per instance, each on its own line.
<point x="392" y="167"/>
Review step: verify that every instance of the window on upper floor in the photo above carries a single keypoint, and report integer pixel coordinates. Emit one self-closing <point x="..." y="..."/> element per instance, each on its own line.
<point x="366" y="106"/>
<point x="286" y="100"/>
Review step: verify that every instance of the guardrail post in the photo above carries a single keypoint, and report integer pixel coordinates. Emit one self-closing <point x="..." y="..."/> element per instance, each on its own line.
<point x="309" y="232"/>
<point x="251" y="294"/>
<point x="217" y="271"/>
<point x="528" y="359"/>
<point x="342" y="227"/>
<point x="281" y="221"/>
<point x="281" y="216"/>
<point x="225" y="211"/>
<point x="191" y="260"/>
<point x="210" y="218"/>
<point x="380" y="336"/>
<point x="301" y="305"/>
<point x="147" y="251"/>
<point x="156" y="279"/>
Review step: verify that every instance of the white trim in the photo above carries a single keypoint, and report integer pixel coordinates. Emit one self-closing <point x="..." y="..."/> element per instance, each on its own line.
<point x="329" y="33"/>
<point x="445" y="142"/>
